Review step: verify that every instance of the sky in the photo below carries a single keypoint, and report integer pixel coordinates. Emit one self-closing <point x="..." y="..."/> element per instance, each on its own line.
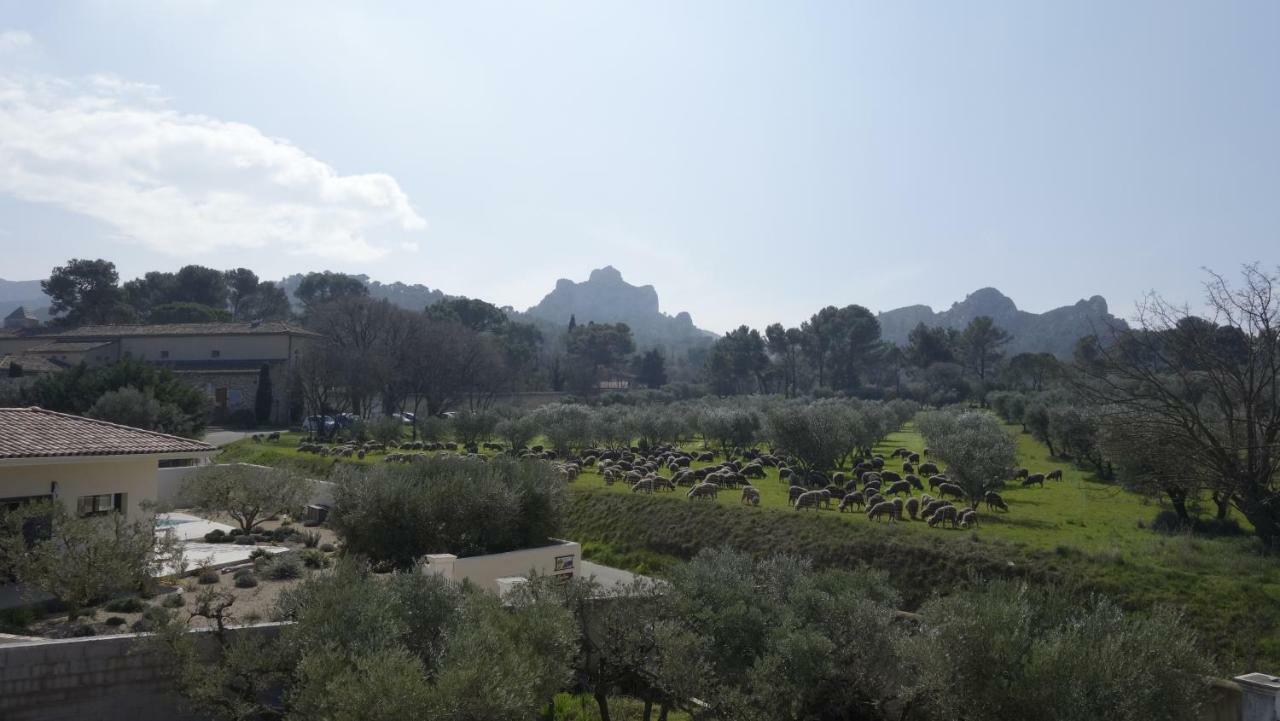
<point x="753" y="161"/>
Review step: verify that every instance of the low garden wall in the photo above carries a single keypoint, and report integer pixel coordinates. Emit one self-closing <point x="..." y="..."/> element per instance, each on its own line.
<point x="562" y="559"/>
<point x="106" y="678"/>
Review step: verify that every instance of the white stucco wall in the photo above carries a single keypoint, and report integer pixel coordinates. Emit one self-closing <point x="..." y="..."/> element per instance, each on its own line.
<point x="84" y="477"/>
<point x="484" y="571"/>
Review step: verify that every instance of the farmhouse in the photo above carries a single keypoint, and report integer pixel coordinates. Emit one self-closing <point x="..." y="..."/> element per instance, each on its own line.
<point x="223" y="359"/>
<point x="92" y="467"/>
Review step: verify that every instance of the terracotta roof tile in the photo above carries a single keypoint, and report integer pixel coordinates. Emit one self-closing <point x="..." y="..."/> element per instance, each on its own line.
<point x="164" y="329"/>
<point x="29" y="364"/>
<point x="37" y="433"/>
<point x="57" y="346"/>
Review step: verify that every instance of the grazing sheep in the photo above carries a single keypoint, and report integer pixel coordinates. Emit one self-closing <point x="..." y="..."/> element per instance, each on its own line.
<point x="873" y="499"/>
<point x="850" y="500"/>
<point x="944" y="514"/>
<point x="850" y="486"/>
<point x="937" y="480"/>
<point x="662" y="484"/>
<point x="890" y="477"/>
<point x="834" y="491"/>
<point x="869" y="477"/>
<point x="950" y="489"/>
<point x="872" y="487"/>
<point x="793" y="493"/>
<point x="925" y="453"/>
<point x="273" y="437"/>
<point x="877" y="463"/>
<point x="1054" y="475"/>
<point x="645" y="486"/>
<point x="898" y="487"/>
<point x="968" y="517"/>
<point x="915" y="482"/>
<point x="751" y="494"/>
<point x="914" y="458"/>
<point x="994" y="501"/>
<point x="928" y="469"/>
<point x="925" y="499"/>
<point x="1020" y="473"/>
<point x="1033" y="479"/>
<point x="883" y="508"/>
<point x="785" y="474"/>
<point x="811" y="499"/>
<point x="898" y="505"/>
<point x="703" y="490"/>
<point x="838" y="478"/>
<point x="907" y="468"/>
<point x="913" y="507"/>
<point x="257" y="437"/>
<point x="932" y="507"/>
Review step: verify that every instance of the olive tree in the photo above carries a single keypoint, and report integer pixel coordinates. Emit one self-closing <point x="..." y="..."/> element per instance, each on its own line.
<point x="248" y="494"/>
<point x="80" y="560"/>
<point x="978" y="451"/>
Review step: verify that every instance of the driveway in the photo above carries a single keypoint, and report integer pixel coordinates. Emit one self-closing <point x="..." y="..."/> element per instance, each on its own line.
<point x="222" y="437"/>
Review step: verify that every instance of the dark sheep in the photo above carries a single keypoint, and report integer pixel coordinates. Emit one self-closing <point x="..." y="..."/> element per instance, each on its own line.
<point x="793" y="493"/>
<point x="950" y="489"/>
<point x="915" y="482"/>
<point x="1033" y="479"/>
<point x="1054" y="475"/>
<point x="751" y="495"/>
<point x="928" y="469"/>
<point x="936" y="480"/>
<point x="942" y="515"/>
<point x="913" y="507"/>
<point x="994" y="501"/>
<point x="811" y="499"/>
<point x="1020" y="473"/>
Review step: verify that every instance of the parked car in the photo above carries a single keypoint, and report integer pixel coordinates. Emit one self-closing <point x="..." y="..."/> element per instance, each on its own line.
<point x="315" y="424"/>
<point x="448" y="414"/>
<point x="406" y="418"/>
<point x="346" y="420"/>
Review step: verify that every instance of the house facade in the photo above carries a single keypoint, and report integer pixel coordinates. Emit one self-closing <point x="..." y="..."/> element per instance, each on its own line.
<point x="92" y="467"/>
<point x="222" y="359"/>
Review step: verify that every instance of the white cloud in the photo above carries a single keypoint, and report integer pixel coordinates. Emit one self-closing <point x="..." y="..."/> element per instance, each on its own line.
<point x="180" y="183"/>
<point x="15" y="40"/>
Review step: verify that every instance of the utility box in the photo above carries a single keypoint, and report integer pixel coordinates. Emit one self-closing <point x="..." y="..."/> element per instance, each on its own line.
<point x="1261" y="700"/>
<point x="317" y="513"/>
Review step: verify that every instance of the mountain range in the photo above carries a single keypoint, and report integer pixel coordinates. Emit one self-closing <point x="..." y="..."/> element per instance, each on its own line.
<point x="605" y="297"/>
<point x="1055" y="331"/>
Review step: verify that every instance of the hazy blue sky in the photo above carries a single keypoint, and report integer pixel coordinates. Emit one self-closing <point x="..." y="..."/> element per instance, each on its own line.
<point x="753" y="161"/>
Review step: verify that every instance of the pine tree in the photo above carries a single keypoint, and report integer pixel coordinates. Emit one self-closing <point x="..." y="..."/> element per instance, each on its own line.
<point x="262" y="399"/>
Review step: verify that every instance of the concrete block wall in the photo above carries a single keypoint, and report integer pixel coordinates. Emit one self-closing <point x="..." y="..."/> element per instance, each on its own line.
<point x="107" y="678"/>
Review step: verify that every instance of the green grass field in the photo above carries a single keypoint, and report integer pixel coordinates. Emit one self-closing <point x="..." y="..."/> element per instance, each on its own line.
<point x="1091" y="534"/>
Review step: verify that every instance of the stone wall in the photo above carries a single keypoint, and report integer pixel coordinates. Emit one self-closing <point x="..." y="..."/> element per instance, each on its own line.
<point x="109" y="678"/>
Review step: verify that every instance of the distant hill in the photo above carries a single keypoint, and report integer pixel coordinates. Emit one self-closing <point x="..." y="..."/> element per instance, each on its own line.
<point x="606" y="298"/>
<point x="26" y="293"/>
<point x="1055" y="331"/>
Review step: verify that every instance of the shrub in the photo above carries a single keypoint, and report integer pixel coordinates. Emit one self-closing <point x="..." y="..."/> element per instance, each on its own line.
<point x="314" y="558"/>
<point x="1169" y="522"/>
<point x="257" y="553"/>
<point x="386" y="429"/>
<point x="208" y="576"/>
<point x="247" y="580"/>
<point x="128" y="604"/>
<point x="236" y="532"/>
<point x="80" y="630"/>
<point x="245" y="541"/>
<point x="284" y="567"/>
<point x="217" y="535"/>
<point x="310" y="539"/>
<point x="152" y="618"/>
<point x="328" y="547"/>
<point x="114" y="621"/>
<point x="173" y="600"/>
<point x="447" y="505"/>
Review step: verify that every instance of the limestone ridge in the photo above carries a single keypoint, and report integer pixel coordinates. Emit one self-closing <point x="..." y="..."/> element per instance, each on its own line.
<point x="25" y="293"/>
<point x="606" y="298"/>
<point x="1055" y="331"/>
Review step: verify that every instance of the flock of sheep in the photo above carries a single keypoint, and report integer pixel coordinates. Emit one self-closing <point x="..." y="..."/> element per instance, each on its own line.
<point x="870" y="487"/>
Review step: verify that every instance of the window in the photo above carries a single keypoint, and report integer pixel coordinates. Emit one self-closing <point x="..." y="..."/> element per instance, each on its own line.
<point x="177" y="462"/>
<point x="164" y="354"/>
<point x="216" y="353"/>
<point x="99" y="504"/>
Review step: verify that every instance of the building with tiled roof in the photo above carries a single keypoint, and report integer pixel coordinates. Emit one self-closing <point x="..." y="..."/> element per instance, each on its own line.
<point x="93" y="467"/>
<point x="223" y="359"/>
